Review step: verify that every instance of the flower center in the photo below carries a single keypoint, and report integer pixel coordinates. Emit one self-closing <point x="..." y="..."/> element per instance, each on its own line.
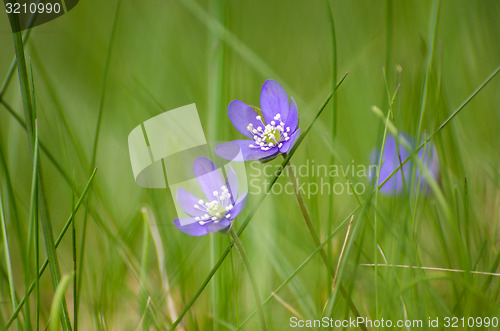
<point x="270" y="135"/>
<point x="217" y="209"/>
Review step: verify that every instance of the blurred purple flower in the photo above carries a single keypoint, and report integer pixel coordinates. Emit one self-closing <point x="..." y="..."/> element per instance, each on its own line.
<point x="269" y="136"/>
<point x="391" y="160"/>
<point x="220" y="205"/>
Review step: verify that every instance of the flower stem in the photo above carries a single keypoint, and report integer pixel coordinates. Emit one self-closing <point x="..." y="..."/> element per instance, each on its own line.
<point x="315" y="237"/>
<point x="258" y="301"/>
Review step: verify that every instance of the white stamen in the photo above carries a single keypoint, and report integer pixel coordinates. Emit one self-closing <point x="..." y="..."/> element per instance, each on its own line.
<point x="269" y="135"/>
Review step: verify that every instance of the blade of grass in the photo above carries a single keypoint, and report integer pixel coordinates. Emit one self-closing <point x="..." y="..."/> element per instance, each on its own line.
<point x="8" y="262"/>
<point x="430" y="57"/>
<point x="317" y="241"/>
<point x="33" y="213"/>
<point x="303" y="264"/>
<point x="96" y="142"/>
<point x="58" y="241"/>
<point x="55" y="309"/>
<point x="388" y="33"/>
<point x="29" y="119"/>
<point x="287" y="306"/>
<point x="144" y="297"/>
<point x="248" y="266"/>
<point x="43" y="148"/>
<point x="75" y="280"/>
<point x="298" y="288"/>
<point x="160" y="256"/>
<point x="14" y="213"/>
<point x="483" y="273"/>
<point x="12" y="67"/>
<point x="375" y="233"/>
<point x="235" y="292"/>
<point x="33" y="217"/>
<point x="342" y="252"/>
<point x="61" y="113"/>
<point x="214" y="96"/>
<point x="331" y="21"/>
<point x="414" y="182"/>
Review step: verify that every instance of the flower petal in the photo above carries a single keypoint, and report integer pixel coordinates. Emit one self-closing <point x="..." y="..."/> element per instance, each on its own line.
<point x="293" y="117"/>
<point x="187" y="201"/>
<point x="288" y="144"/>
<point x="192" y="229"/>
<point x="238" y="206"/>
<point x="273" y="100"/>
<point x="241" y="115"/>
<point x="216" y="227"/>
<point x="232" y="181"/>
<point x="391" y="161"/>
<point x="208" y="177"/>
<point x="240" y="150"/>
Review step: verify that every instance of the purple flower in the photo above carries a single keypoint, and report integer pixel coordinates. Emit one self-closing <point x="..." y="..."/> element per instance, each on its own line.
<point x="270" y="134"/>
<point x="391" y="160"/>
<point x="218" y="208"/>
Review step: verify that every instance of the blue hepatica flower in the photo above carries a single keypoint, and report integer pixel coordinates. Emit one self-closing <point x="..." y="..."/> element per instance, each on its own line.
<point x="391" y="160"/>
<point x="270" y="134"/>
<point x="219" y="207"/>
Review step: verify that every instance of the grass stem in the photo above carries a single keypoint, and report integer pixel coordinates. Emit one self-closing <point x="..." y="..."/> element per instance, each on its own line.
<point x="251" y="275"/>
<point x="46" y="262"/>
<point x="317" y="241"/>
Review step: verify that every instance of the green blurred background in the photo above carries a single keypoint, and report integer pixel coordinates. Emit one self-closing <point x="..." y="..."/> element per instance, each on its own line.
<point x="166" y="54"/>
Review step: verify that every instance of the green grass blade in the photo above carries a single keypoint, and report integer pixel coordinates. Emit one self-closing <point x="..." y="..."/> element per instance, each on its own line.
<point x="248" y="266"/>
<point x="144" y="296"/>
<point x="55" y="309"/>
<point x="430" y="57"/>
<point x="331" y="205"/>
<point x="58" y="241"/>
<point x="305" y="262"/>
<point x="75" y="279"/>
<point x="28" y="112"/>
<point x="8" y="261"/>
<point x="33" y="217"/>
<point x="96" y="140"/>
